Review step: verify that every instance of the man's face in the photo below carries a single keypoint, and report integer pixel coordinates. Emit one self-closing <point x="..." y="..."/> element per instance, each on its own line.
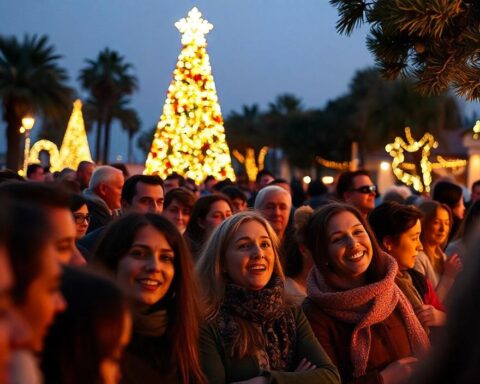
<point x="276" y="209"/>
<point x="112" y="192"/>
<point x="475" y="193"/>
<point x="363" y="200"/>
<point x="38" y="175"/>
<point x="64" y="233"/>
<point x="148" y="198"/>
<point x="85" y="174"/>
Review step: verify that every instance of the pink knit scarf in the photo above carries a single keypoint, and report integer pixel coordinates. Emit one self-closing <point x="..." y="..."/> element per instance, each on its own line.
<point x="366" y="306"/>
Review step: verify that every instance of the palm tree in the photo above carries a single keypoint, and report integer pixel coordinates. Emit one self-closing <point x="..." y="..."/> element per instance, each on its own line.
<point x="286" y="104"/>
<point x="109" y="81"/>
<point x="31" y="82"/>
<point x="131" y="123"/>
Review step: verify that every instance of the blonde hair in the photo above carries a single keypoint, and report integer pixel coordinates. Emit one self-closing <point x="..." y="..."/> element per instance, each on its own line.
<point x="300" y="221"/>
<point x="211" y="264"/>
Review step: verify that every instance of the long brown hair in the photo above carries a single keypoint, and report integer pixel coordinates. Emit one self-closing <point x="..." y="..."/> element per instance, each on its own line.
<point x="316" y="240"/>
<point x="210" y="269"/>
<point x="184" y="307"/>
<point x="429" y="210"/>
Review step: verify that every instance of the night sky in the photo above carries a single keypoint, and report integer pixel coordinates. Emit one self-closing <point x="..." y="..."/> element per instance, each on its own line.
<point x="258" y="48"/>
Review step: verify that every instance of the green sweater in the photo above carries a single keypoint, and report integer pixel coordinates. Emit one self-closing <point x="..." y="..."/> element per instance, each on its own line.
<point x="220" y="368"/>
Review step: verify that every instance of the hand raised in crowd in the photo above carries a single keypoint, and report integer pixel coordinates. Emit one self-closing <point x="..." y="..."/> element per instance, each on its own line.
<point x="305" y="366"/>
<point x="453" y="266"/>
<point x="429" y="316"/>
<point x="399" y="371"/>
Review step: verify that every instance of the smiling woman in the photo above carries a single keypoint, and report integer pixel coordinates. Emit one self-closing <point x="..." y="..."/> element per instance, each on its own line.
<point x="252" y="335"/>
<point x="355" y="309"/>
<point x="150" y="260"/>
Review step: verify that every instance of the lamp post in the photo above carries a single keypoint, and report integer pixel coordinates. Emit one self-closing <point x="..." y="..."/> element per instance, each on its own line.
<point x="27" y="125"/>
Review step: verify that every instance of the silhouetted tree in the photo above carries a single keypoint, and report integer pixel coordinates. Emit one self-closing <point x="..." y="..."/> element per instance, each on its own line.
<point x="31" y="82"/>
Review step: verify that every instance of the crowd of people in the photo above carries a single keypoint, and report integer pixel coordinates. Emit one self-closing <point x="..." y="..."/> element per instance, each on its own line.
<point x="110" y="278"/>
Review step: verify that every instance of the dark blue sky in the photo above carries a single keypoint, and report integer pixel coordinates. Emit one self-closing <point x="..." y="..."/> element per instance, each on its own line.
<point x="258" y="48"/>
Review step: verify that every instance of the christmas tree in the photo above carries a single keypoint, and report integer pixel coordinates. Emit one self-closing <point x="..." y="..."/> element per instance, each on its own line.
<point x="190" y="137"/>
<point x="435" y="42"/>
<point x="75" y="147"/>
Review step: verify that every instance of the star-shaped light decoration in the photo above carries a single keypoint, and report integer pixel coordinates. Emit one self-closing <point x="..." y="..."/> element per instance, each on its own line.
<point x="193" y="28"/>
<point x="420" y="179"/>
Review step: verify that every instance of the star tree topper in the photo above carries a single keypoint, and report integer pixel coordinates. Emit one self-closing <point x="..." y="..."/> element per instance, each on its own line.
<point x="193" y="28"/>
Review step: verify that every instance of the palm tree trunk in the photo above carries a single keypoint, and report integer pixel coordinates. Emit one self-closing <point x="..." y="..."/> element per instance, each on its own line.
<point x="14" y="122"/>
<point x="130" y="149"/>
<point x="106" y="142"/>
<point x="98" y="141"/>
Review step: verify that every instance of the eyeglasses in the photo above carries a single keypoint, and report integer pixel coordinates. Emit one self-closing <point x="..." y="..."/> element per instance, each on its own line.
<point x="80" y="218"/>
<point x="366" y="189"/>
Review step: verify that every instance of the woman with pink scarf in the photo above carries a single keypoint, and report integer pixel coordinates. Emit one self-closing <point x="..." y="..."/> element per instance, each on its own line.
<point x="358" y="313"/>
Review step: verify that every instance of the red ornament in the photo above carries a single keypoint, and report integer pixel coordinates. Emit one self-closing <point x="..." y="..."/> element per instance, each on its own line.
<point x="168" y="164"/>
<point x="197" y="77"/>
<point x="154" y="155"/>
<point x="217" y="119"/>
<point x="223" y="173"/>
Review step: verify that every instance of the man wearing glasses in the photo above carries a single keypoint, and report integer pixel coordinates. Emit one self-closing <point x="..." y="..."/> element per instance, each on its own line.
<point x="357" y="189"/>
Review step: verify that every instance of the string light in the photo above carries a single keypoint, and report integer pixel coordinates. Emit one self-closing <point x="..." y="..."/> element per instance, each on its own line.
<point x="190" y="137"/>
<point x="341" y="166"/>
<point x="74" y="148"/>
<point x="421" y="179"/>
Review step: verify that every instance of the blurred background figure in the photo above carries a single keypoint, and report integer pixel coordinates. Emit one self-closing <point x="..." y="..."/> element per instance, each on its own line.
<point x="356" y="188"/>
<point x="466" y="234"/>
<point x="178" y="207"/>
<point x="237" y="198"/>
<point x="36" y="291"/>
<point x="35" y="172"/>
<point x="84" y="173"/>
<point x="104" y="195"/>
<point x="432" y="261"/>
<point x="86" y="342"/>
<point x="208" y="213"/>
<point x="451" y="195"/>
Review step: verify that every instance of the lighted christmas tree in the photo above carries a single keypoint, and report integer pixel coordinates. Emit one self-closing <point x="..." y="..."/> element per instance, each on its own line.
<point x="190" y="137"/>
<point x="75" y="147"/>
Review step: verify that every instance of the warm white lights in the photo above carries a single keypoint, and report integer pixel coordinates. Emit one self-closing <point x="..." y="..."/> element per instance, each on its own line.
<point x="193" y="29"/>
<point x="190" y="137"/>
<point x="74" y="147"/>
